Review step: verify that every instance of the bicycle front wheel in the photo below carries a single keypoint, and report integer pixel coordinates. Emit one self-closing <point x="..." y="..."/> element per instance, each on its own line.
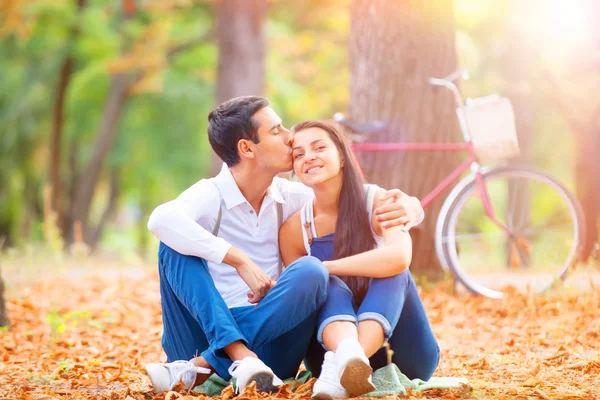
<point x="545" y="228"/>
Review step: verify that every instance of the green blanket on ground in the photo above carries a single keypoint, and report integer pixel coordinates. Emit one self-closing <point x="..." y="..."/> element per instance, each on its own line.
<point x="388" y="380"/>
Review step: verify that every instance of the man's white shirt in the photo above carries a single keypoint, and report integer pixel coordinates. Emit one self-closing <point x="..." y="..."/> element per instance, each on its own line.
<point x="186" y="224"/>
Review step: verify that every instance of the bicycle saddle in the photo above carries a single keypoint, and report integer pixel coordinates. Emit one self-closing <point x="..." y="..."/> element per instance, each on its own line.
<point x="362" y="128"/>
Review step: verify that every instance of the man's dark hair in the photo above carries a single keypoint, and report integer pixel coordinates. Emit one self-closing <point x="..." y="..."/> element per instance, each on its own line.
<point x="231" y="122"/>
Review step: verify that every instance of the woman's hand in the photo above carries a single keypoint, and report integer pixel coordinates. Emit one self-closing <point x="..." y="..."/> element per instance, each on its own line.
<point x="399" y="209"/>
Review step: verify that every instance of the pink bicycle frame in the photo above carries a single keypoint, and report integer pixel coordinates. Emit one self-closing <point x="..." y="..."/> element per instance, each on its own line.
<point x="455" y="147"/>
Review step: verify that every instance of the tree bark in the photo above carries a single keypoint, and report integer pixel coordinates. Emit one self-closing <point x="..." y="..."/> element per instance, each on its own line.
<point x="587" y="182"/>
<point x="109" y="210"/>
<point x="56" y="133"/>
<point x="395" y="46"/>
<point x="56" y="137"/>
<point x="241" y="40"/>
<point x="582" y="113"/>
<point x="106" y="135"/>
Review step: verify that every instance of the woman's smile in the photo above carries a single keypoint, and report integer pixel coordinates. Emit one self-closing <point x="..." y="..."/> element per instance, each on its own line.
<point x="313" y="169"/>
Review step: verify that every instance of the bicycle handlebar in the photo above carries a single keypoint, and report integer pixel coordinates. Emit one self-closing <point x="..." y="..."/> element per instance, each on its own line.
<point x="448" y="82"/>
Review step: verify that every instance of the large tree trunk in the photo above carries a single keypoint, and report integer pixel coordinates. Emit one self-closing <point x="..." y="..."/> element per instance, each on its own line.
<point x="241" y="38"/>
<point x="395" y="47"/>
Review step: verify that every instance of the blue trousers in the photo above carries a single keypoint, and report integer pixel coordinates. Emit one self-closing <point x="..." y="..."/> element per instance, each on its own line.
<point x="394" y="302"/>
<point x="198" y="322"/>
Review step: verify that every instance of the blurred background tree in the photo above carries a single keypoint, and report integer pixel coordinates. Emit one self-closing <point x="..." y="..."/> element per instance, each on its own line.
<point x="103" y="104"/>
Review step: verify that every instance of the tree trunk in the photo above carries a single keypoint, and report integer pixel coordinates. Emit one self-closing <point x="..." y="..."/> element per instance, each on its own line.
<point x="517" y="70"/>
<point x="586" y="181"/>
<point x="109" y="210"/>
<point x="4" y="321"/>
<point x="395" y="47"/>
<point x="241" y="38"/>
<point x="582" y="113"/>
<point x="106" y="135"/>
<point x="113" y="109"/>
<point x="56" y="137"/>
<point x="56" y="134"/>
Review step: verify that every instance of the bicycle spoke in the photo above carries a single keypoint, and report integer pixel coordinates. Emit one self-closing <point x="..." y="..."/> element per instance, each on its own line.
<point x="556" y="214"/>
<point x="477" y="236"/>
<point x="540" y="214"/>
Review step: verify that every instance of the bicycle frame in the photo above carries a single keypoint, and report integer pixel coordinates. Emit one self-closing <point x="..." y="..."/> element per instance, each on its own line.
<point x="467" y="146"/>
<point x="472" y="162"/>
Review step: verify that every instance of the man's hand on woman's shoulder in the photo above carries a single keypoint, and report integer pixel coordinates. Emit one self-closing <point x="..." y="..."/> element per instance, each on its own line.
<point x="394" y="207"/>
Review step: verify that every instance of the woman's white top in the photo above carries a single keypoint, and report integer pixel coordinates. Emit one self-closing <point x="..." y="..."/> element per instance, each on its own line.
<point x="307" y="216"/>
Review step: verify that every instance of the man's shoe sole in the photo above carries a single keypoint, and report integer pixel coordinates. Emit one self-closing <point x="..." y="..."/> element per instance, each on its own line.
<point x="264" y="382"/>
<point x="355" y="378"/>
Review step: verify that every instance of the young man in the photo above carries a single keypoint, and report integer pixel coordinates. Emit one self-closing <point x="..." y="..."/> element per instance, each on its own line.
<point x="225" y="303"/>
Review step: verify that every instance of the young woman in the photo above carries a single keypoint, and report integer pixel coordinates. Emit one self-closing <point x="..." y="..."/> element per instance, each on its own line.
<point x="372" y="297"/>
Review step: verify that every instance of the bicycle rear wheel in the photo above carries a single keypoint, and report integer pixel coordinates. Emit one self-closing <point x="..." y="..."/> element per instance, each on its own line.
<point x="546" y="221"/>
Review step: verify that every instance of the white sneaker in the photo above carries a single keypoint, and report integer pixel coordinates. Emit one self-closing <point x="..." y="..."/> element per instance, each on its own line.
<point x="165" y="377"/>
<point x="354" y="368"/>
<point x="328" y="386"/>
<point x="251" y="370"/>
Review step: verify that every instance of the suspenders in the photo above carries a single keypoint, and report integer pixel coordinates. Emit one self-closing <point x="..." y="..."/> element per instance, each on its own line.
<point x="215" y="231"/>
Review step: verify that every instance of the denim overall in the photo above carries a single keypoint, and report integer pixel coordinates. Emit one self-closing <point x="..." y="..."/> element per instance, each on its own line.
<point x="394" y="302"/>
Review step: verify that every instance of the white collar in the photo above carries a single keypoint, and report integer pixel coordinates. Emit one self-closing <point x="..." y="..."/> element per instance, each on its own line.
<point x="231" y="194"/>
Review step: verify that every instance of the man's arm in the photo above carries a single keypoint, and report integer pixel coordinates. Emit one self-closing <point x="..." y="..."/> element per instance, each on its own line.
<point x="399" y="209"/>
<point x="182" y="223"/>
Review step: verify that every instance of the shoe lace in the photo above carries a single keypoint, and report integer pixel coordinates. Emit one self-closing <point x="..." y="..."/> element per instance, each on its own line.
<point x="183" y="369"/>
<point x="234" y="367"/>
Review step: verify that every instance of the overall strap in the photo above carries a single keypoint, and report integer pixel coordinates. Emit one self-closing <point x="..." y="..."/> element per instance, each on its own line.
<point x="308" y="221"/>
<point x="307" y="236"/>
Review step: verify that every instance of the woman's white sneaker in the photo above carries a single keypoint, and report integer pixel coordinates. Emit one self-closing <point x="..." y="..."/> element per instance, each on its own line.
<point x="165" y="377"/>
<point x="251" y="370"/>
<point x="328" y="386"/>
<point x="354" y="368"/>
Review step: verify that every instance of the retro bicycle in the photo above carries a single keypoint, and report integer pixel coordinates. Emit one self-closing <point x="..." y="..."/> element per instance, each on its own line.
<point x="500" y="226"/>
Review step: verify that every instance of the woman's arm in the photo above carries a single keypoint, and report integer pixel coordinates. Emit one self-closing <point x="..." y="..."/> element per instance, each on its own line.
<point x="389" y="260"/>
<point x="291" y="241"/>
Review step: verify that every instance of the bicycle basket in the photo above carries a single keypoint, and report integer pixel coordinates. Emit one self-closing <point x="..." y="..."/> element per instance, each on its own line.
<point x="491" y="125"/>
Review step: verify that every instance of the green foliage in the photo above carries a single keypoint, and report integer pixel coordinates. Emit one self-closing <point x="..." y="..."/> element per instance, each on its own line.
<point x="74" y="321"/>
<point x="161" y="146"/>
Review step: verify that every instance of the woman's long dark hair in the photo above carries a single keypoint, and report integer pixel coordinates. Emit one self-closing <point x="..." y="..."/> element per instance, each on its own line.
<point x="353" y="227"/>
